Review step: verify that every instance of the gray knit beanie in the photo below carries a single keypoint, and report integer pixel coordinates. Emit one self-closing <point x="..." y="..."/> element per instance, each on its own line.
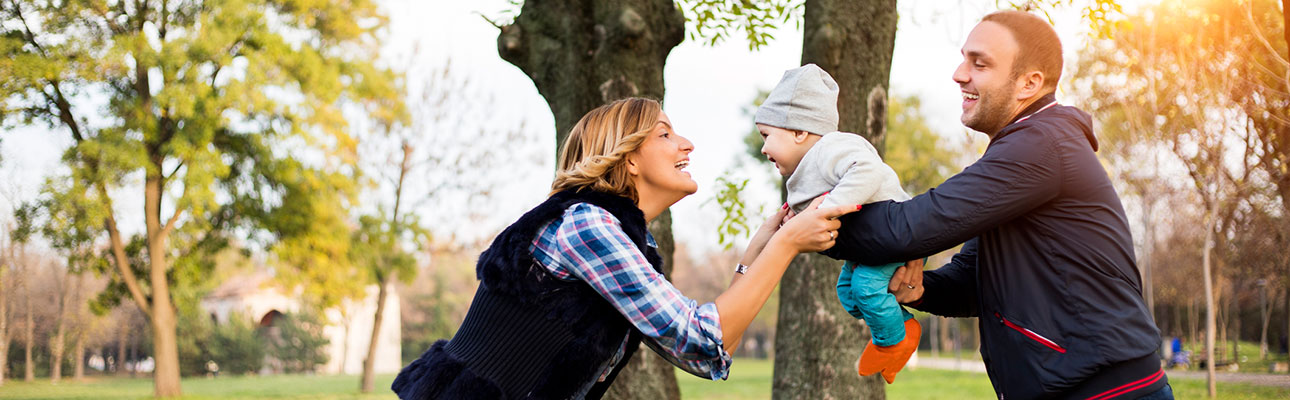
<point x="806" y="99"/>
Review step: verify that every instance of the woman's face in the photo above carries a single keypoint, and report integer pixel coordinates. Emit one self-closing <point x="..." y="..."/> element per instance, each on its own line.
<point x="658" y="166"/>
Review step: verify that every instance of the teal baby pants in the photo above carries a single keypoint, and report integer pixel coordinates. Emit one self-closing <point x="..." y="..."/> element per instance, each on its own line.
<point x="862" y="289"/>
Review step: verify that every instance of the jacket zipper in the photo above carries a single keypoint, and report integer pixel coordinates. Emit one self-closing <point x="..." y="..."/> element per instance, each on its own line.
<point x="1031" y="334"/>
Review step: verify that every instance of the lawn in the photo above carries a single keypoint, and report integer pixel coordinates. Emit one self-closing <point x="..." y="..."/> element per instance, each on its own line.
<point x="242" y="387"/>
<point x="749" y="379"/>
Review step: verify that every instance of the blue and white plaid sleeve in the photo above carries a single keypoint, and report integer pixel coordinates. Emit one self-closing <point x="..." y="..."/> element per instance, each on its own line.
<point x="591" y="245"/>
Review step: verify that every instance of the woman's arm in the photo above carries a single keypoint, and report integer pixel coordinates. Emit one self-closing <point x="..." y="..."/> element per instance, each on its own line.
<point x="812" y="230"/>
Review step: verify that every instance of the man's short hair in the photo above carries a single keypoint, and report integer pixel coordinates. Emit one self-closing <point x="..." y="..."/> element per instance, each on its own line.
<point x="1039" y="49"/>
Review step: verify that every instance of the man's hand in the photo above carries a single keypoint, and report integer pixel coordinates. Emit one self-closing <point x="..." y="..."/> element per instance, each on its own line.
<point x="907" y="282"/>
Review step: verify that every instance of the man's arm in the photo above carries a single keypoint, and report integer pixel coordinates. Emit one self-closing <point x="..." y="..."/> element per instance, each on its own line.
<point x="950" y="290"/>
<point x="1017" y="173"/>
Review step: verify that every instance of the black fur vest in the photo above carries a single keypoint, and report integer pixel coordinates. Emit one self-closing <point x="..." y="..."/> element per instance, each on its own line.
<point x="527" y="334"/>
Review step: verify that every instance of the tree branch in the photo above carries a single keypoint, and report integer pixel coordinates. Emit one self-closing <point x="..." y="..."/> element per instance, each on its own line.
<point x="122" y="262"/>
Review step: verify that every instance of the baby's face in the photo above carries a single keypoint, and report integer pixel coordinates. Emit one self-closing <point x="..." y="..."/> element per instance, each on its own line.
<point x="783" y="147"/>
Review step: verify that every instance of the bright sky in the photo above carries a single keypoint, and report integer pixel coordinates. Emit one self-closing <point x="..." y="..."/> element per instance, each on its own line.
<point x="707" y="90"/>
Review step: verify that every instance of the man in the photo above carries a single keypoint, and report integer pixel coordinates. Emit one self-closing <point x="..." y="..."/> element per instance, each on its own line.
<point x="1047" y="261"/>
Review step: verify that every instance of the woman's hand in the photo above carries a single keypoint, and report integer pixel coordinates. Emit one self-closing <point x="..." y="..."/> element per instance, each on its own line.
<point x="815" y="229"/>
<point x="763" y="235"/>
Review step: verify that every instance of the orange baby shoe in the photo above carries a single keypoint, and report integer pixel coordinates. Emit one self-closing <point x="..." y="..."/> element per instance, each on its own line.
<point x="890" y="359"/>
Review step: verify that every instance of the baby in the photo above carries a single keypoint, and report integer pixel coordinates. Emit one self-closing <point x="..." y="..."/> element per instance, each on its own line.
<point x="799" y="123"/>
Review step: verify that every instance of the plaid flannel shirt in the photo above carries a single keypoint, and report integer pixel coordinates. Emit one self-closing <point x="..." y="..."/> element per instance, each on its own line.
<point x="588" y="243"/>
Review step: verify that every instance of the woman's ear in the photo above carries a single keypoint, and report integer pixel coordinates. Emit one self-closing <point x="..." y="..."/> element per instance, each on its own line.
<point x="633" y="165"/>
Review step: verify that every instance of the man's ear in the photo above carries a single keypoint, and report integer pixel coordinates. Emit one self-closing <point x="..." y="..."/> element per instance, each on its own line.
<point x="1030" y="85"/>
<point x="800" y="136"/>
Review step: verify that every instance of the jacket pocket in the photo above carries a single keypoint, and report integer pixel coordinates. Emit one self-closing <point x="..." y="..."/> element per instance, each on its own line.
<point x="1031" y="334"/>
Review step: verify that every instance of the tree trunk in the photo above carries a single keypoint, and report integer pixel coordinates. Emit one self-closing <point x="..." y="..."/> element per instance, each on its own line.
<point x="29" y="368"/>
<point x="1193" y="323"/>
<point x="165" y="347"/>
<point x="78" y="358"/>
<point x="56" y="353"/>
<point x="816" y="341"/>
<point x="57" y="343"/>
<point x="581" y="54"/>
<point x="1148" y="250"/>
<point x="120" y="344"/>
<point x="369" y="374"/>
<point x="1234" y="315"/>
<point x="1210" y="330"/>
<point x="4" y="319"/>
<point x="1265" y="316"/>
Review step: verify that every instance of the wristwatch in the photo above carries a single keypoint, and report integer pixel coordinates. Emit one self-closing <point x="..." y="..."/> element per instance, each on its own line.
<point x="740" y="268"/>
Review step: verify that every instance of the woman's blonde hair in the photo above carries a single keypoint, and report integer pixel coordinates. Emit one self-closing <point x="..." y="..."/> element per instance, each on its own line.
<point x="594" y="154"/>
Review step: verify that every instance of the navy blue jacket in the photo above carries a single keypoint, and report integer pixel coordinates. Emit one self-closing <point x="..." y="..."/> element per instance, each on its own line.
<point x="1047" y="262"/>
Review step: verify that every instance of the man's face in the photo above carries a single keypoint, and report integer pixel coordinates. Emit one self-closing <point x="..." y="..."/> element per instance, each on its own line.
<point x="985" y="78"/>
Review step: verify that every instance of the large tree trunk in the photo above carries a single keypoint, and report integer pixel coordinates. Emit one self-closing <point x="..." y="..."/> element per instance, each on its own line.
<point x="581" y="54"/>
<point x="369" y="374"/>
<point x="165" y="347"/>
<point x="816" y="341"/>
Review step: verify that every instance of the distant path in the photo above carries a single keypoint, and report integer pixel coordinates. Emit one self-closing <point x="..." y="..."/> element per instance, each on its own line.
<point x="1277" y="380"/>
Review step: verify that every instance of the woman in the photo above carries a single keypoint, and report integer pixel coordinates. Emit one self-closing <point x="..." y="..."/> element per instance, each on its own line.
<point x="569" y="290"/>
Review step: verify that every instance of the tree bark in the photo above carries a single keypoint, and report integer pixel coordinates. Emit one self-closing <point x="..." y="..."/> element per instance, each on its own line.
<point x="57" y="345"/>
<point x="1210" y="330"/>
<point x="581" y="54"/>
<point x="165" y="347"/>
<point x="816" y="342"/>
<point x="1265" y="316"/>
<point x="78" y="358"/>
<point x="369" y="362"/>
<point x="119" y="365"/>
<point x="29" y="368"/>
<point x="1234" y="315"/>
<point x="4" y="313"/>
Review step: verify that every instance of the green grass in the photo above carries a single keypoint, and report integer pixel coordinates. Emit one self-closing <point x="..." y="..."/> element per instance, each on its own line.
<point x="1196" y="389"/>
<point x="242" y="387"/>
<point x="751" y="379"/>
